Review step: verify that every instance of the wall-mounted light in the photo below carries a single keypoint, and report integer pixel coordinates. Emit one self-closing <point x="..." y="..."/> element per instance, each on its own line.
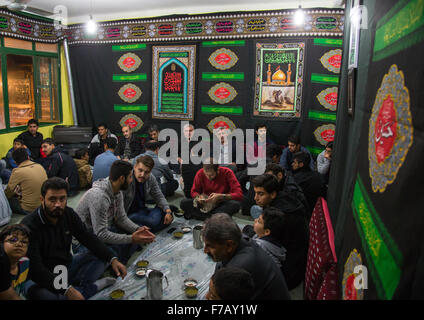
<point x="91" y="26"/>
<point x="299" y="16"/>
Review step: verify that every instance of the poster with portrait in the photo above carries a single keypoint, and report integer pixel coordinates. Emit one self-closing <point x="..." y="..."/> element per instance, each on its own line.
<point x="279" y="80"/>
<point x="173" y="82"/>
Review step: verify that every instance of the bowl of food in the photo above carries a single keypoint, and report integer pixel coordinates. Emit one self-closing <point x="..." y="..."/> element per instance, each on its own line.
<point x="117" y="294"/>
<point x="191" y="292"/>
<point x="190" y="283"/>
<point x="178" y="234"/>
<point x="179" y="213"/>
<point x="142" y="263"/>
<point x="141" y="272"/>
<point x="186" y="229"/>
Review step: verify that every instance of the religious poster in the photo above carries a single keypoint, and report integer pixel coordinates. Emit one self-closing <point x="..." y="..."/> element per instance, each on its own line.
<point x="279" y="80"/>
<point x="173" y="82"/>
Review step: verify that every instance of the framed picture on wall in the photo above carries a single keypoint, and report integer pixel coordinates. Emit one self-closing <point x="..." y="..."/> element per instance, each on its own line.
<point x="279" y="80"/>
<point x="173" y="82"/>
<point x="351" y="84"/>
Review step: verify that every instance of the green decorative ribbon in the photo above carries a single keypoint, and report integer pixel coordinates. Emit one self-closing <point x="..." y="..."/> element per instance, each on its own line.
<point x="228" y="43"/>
<point x="328" y="42"/>
<point x="382" y="253"/>
<point x="322" y="116"/>
<point x="132" y="108"/>
<point x="217" y="76"/>
<point x="315" y="150"/>
<point x="129" y="77"/>
<point x="127" y="47"/>
<point x="324" y="79"/>
<point x="401" y="28"/>
<point x="231" y="110"/>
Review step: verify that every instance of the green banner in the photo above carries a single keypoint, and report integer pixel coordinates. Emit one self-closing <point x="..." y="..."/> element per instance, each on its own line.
<point x="231" y="110"/>
<point x="228" y="43"/>
<point x="328" y="42"/>
<point x="132" y="108"/>
<point x="126" y="47"/>
<point x="173" y="54"/>
<point x="402" y="28"/>
<point x="216" y="76"/>
<point x="324" y="79"/>
<point x="383" y="256"/>
<point x="129" y="77"/>
<point x="322" y="115"/>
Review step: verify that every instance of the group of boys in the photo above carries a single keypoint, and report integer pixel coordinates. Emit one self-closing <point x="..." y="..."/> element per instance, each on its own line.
<point x="112" y="220"/>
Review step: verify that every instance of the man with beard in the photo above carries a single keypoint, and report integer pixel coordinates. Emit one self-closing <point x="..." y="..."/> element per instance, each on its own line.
<point x="141" y="186"/>
<point x="102" y="210"/>
<point x="129" y="146"/>
<point x="225" y="245"/>
<point x="52" y="227"/>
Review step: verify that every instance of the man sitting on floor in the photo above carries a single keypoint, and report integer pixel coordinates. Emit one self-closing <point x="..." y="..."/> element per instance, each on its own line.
<point x="129" y="145"/>
<point x="309" y="180"/>
<point x="104" y="161"/>
<point x="32" y="138"/>
<point x="215" y="189"/>
<point x="52" y="227"/>
<point x="17" y="143"/>
<point x="161" y="170"/>
<point x="96" y="145"/>
<point x="61" y="165"/>
<point x="225" y="244"/>
<point x="23" y="189"/>
<point x="102" y="210"/>
<point x="84" y="170"/>
<point x="142" y="185"/>
<point x="293" y="146"/>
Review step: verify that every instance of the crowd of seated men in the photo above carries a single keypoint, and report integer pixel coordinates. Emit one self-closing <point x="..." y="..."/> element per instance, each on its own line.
<point x="120" y="177"/>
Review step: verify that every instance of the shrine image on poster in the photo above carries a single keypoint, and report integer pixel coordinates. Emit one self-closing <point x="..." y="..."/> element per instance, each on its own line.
<point x="279" y="71"/>
<point x="173" y="82"/>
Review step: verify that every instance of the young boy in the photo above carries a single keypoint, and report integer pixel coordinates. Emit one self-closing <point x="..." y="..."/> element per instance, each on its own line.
<point x="230" y="283"/>
<point x="17" y="143"/>
<point x="14" y="265"/>
<point x="84" y="170"/>
<point x="268" y="232"/>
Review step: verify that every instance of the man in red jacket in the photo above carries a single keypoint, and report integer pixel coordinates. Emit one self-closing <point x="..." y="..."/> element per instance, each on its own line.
<point x="215" y="189"/>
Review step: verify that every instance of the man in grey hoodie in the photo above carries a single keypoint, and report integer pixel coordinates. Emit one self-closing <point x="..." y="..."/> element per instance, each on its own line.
<point x="102" y="210"/>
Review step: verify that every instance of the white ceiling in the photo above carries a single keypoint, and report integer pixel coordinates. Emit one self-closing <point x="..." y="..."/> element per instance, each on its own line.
<point x="105" y="10"/>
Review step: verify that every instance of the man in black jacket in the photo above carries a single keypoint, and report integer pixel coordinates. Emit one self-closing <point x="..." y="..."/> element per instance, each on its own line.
<point x="32" y="138"/>
<point x="59" y="164"/>
<point x="309" y="180"/>
<point x="56" y="274"/>
<point x="226" y="246"/>
<point x="129" y="146"/>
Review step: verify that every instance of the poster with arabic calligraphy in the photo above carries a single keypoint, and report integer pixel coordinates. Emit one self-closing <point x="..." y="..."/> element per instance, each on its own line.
<point x="173" y="82"/>
<point x="279" y="80"/>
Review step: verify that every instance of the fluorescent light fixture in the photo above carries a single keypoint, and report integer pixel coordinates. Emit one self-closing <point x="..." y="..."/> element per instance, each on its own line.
<point x="299" y="17"/>
<point x="91" y="26"/>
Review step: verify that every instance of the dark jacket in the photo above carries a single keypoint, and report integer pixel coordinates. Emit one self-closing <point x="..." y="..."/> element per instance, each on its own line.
<point x="311" y="184"/>
<point x="136" y="146"/>
<point x="287" y="159"/>
<point x="50" y="245"/>
<point x="59" y="164"/>
<point x="32" y="143"/>
<point x="291" y="198"/>
<point x="160" y="169"/>
<point x="268" y="279"/>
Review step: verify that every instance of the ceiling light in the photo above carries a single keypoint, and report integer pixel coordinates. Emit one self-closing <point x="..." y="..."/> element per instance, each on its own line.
<point x="91" y="26"/>
<point x="299" y="16"/>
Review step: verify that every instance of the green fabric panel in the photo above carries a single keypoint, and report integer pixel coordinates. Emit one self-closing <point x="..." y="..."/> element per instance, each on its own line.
<point x="222" y="110"/>
<point x="321" y="115"/>
<point x="379" y="247"/>
<point x="129" y="77"/>
<point x="223" y="43"/>
<point x="315" y="150"/>
<point x="393" y="33"/>
<point x="324" y="78"/>
<point x="127" y="47"/>
<point x="328" y="42"/>
<point x="215" y="76"/>
<point x="126" y="108"/>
